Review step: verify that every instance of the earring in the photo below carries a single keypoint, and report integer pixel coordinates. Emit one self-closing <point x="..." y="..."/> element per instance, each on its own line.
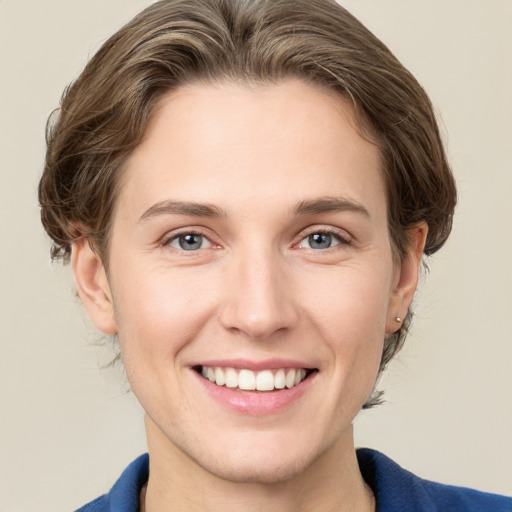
<point x="398" y="319"/>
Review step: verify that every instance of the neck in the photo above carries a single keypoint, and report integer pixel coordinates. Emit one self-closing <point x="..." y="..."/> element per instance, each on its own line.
<point x="332" y="482"/>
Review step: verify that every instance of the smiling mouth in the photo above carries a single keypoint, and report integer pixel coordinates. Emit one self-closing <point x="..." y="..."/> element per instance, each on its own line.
<point x="240" y="379"/>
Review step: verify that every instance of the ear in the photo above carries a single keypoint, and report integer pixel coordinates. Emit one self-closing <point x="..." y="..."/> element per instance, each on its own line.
<point x="406" y="278"/>
<point x="92" y="286"/>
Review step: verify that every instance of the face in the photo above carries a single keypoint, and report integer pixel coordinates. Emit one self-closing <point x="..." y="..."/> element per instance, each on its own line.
<point x="250" y="248"/>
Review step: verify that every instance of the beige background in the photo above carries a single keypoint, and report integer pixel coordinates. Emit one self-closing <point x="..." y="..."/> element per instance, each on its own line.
<point x="68" y="427"/>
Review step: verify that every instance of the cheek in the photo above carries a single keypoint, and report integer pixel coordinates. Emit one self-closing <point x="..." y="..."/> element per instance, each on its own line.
<point x="160" y="312"/>
<point x="351" y="301"/>
<point x="350" y="315"/>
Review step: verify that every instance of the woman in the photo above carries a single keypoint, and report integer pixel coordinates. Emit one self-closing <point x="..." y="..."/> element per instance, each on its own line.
<point x="245" y="191"/>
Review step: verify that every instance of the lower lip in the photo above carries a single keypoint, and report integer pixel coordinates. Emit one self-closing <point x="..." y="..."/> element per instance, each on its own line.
<point x="256" y="403"/>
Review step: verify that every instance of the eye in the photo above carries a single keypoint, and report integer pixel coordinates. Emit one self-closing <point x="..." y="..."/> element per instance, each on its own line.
<point x="321" y="240"/>
<point x="189" y="242"/>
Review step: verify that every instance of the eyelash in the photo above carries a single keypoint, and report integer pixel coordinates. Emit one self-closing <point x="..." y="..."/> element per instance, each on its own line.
<point x="166" y="242"/>
<point x="341" y="239"/>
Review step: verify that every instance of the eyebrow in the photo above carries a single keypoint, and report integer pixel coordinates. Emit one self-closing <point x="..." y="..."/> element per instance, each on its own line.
<point x="329" y="204"/>
<point x="306" y="207"/>
<point x="182" y="208"/>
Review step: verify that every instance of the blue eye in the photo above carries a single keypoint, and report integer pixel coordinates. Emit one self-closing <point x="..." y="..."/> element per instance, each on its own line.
<point x="190" y="242"/>
<point x="319" y="241"/>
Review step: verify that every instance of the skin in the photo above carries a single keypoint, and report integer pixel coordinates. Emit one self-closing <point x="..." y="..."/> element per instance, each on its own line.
<point x="255" y="290"/>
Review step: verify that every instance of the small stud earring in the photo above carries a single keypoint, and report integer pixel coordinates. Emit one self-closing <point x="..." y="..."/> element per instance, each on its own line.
<point x="398" y="319"/>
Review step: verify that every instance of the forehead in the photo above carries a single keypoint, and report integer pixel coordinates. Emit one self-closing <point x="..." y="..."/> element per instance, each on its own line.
<point x="232" y="144"/>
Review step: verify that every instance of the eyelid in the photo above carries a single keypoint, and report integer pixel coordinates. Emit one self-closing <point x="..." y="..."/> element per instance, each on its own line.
<point x="166" y="240"/>
<point x="341" y="235"/>
<point x="204" y="242"/>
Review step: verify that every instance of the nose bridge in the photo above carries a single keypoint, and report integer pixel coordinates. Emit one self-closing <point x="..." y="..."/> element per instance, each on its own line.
<point x="258" y="299"/>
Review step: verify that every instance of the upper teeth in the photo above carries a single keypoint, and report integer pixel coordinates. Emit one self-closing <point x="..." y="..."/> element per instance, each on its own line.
<point x="266" y="380"/>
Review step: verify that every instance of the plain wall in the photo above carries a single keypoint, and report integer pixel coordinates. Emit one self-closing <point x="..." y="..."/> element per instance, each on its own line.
<point x="68" y="427"/>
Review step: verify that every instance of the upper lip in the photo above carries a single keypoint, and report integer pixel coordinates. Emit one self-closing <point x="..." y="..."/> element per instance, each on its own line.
<point x="249" y="364"/>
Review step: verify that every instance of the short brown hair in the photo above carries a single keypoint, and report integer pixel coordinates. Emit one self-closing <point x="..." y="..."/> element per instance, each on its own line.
<point x="104" y="113"/>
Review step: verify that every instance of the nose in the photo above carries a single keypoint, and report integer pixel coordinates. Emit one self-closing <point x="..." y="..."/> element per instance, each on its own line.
<point x="258" y="301"/>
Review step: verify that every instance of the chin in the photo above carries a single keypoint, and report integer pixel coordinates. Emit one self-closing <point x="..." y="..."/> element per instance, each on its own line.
<point x="261" y="457"/>
<point x="243" y="469"/>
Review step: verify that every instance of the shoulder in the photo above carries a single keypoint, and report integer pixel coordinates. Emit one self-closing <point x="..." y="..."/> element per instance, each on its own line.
<point x="397" y="489"/>
<point x="98" y="505"/>
<point x="124" y="495"/>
